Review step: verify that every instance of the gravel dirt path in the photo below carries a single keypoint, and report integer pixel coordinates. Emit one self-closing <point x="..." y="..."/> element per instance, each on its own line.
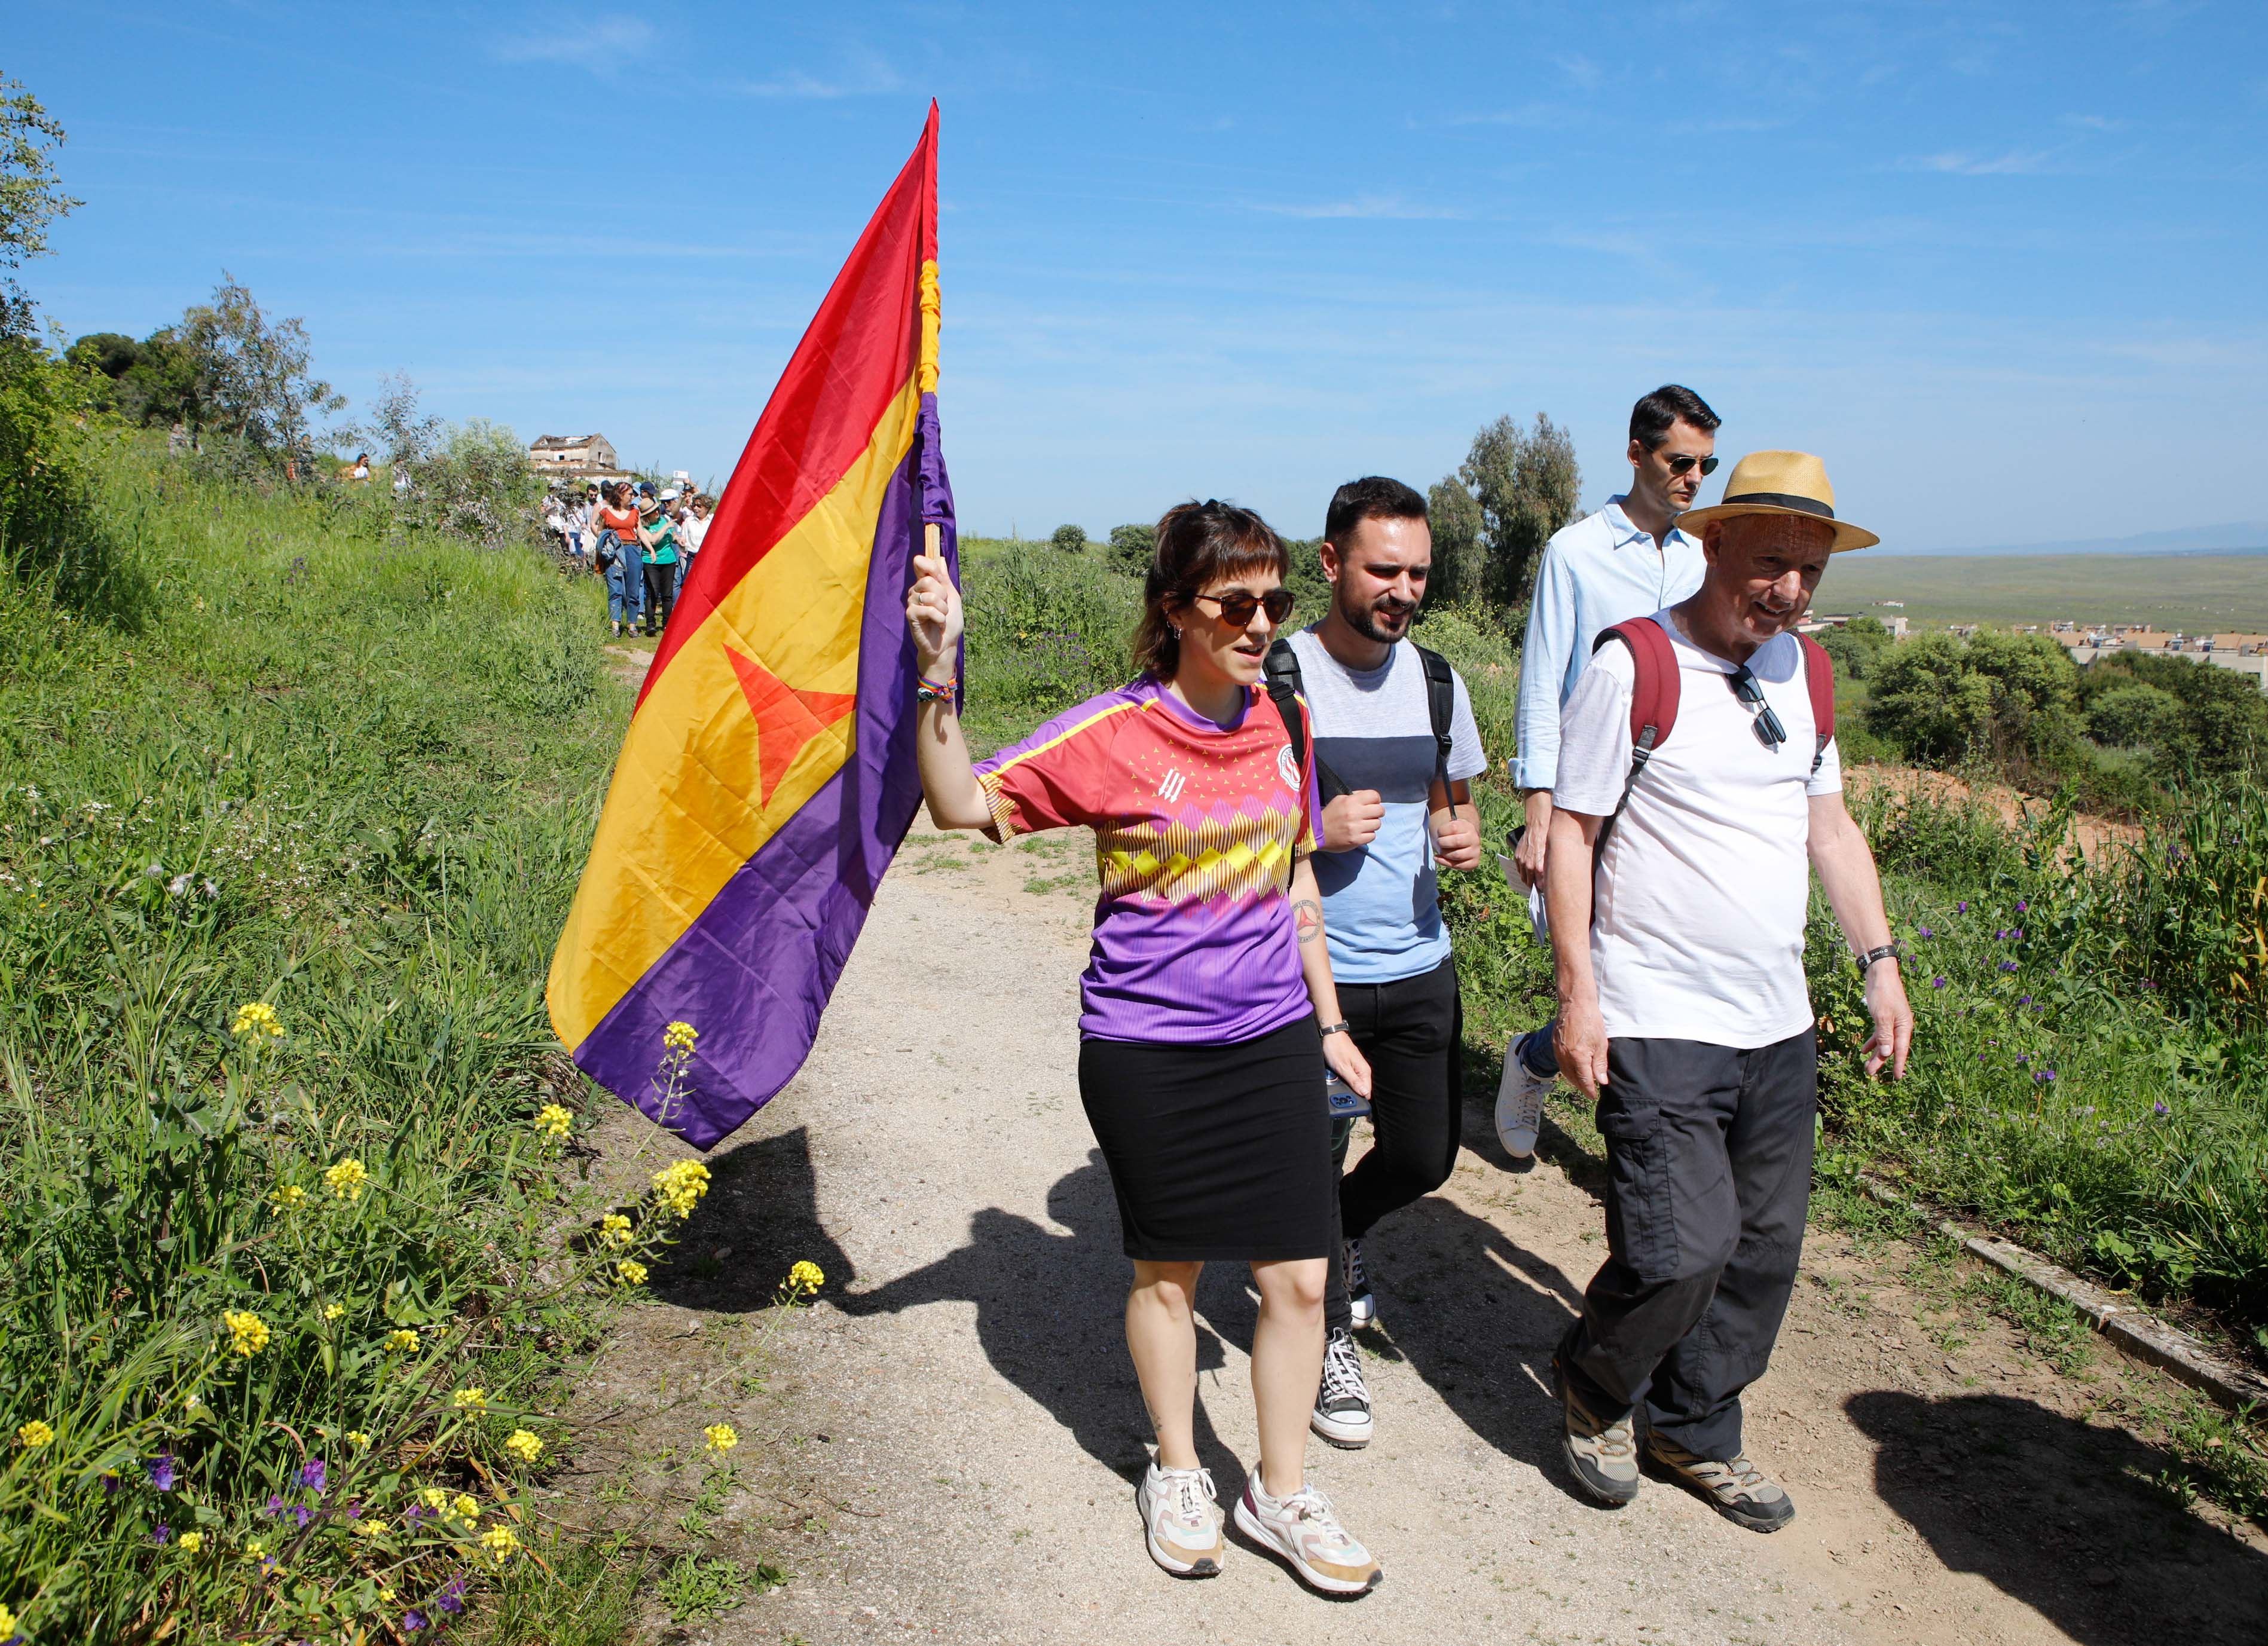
<point x="943" y="1446"/>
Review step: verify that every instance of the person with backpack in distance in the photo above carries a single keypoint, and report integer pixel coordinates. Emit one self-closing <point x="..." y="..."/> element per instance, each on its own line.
<point x="1625" y="561"/>
<point x="1395" y="745"/>
<point x="1208" y="1015"/>
<point x="1697" y="774"/>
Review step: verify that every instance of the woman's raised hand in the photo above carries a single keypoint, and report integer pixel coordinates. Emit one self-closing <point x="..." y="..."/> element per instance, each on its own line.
<point x="933" y="615"/>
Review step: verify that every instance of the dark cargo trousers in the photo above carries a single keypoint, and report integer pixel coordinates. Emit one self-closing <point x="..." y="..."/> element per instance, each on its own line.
<point x="1709" y="1177"/>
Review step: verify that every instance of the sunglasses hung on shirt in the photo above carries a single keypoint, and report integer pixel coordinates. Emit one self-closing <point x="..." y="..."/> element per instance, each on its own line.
<point x="1686" y="464"/>
<point x="1769" y="730"/>
<point x="1236" y="609"/>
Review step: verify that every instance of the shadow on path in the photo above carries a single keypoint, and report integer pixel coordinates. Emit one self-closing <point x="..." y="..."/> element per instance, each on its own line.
<point x="759" y="1219"/>
<point x="2064" y="1517"/>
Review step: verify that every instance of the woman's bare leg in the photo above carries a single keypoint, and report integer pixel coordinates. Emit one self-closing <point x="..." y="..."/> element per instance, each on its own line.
<point x="1161" y="1335"/>
<point x="1288" y="1365"/>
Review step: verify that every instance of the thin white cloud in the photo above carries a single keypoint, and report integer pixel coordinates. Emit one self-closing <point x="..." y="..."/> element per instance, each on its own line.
<point x="1384" y="206"/>
<point x="1582" y="71"/>
<point x="865" y="75"/>
<point x="598" y="44"/>
<point x="1962" y="163"/>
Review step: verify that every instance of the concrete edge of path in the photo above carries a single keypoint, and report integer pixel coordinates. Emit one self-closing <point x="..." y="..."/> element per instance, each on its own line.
<point x="2134" y="1332"/>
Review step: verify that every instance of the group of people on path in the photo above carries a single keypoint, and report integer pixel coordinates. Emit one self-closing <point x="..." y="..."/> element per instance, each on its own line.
<point x="1270" y="812"/>
<point x="642" y="540"/>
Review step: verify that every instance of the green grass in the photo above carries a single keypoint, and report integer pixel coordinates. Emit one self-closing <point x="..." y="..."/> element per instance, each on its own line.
<point x="2195" y="593"/>
<point x="349" y="775"/>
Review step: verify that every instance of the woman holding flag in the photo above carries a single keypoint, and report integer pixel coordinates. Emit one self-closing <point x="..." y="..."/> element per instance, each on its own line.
<point x="1208" y="1012"/>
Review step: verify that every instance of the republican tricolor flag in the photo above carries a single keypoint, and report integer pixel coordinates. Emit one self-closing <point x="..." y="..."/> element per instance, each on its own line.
<point x="768" y="773"/>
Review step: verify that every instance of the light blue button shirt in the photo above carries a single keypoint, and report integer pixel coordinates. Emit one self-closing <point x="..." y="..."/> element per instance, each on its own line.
<point x="1597" y="571"/>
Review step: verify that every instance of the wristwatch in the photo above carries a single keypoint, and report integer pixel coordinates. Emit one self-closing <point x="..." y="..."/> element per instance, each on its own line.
<point x="1341" y="1027"/>
<point x="1888" y="951"/>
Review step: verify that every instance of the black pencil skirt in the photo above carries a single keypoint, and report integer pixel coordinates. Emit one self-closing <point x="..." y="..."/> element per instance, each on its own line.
<point x="1216" y="1152"/>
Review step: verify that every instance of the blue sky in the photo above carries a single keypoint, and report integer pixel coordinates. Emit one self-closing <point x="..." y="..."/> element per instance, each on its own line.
<point x="2001" y="265"/>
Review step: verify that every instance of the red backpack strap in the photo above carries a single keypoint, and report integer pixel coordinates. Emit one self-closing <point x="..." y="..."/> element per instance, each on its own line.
<point x="1819" y="676"/>
<point x="1654" y="701"/>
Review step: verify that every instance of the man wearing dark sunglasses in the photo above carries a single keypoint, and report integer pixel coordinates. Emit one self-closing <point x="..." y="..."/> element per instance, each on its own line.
<point x="1683" y="850"/>
<point x="1625" y="561"/>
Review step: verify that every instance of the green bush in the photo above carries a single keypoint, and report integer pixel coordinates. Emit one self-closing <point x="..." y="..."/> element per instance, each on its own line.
<point x="1070" y="539"/>
<point x="2134" y="717"/>
<point x="1045" y="631"/>
<point x="1132" y="548"/>
<point x="1489" y="661"/>
<point x="51" y="531"/>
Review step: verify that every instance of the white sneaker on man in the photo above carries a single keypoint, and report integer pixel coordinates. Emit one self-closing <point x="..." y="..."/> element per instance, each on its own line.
<point x="1304" y="1530"/>
<point x="1362" y="1304"/>
<point x="1180" y="1520"/>
<point x="1342" y="1413"/>
<point x="1520" y="1102"/>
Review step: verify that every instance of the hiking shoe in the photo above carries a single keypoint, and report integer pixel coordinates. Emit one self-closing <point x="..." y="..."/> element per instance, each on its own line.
<point x="1738" y="1490"/>
<point x="1520" y="1102"/>
<point x="1361" y="1306"/>
<point x="1303" y="1529"/>
<point x="1342" y="1413"/>
<point x="1603" y="1455"/>
<point x="1180" y="1521"/>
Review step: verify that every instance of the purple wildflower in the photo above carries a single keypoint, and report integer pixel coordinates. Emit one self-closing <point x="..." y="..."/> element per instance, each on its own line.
<point x="2147" y="983"/>
<point x="2017" y="932"/>
<point x="2001" y="936"/>
<point x="313" y="1474"/>
<point x="112" y="1485"/>
<point x="2160" y="1107"/>
<point x="303" y="1515"/>
<point x="2007" y="965"/>
<point x="412" y="1620"/>
<point x="411" y="1516"/>
<point x="2023" y="999"/>
<point x="2022" y="906"/>
<point x="1961" y="907"/>
<point x="1926" y="932"/>
<point x="1937" y="982"/>
<point x="2023" y="1057"/>
<point x="452" y="1597"/>
<point x="275" y="1504"/>
<point x="2050" y="1074"/>
<point x="162" y="1473"/>
<point x="163" y="1534"/>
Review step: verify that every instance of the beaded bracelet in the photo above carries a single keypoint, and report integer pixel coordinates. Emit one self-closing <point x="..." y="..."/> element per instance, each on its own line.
<point x="936" y="691"/>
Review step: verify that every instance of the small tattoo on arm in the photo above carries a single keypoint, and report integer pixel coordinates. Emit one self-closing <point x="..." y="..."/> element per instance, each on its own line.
<point x="1307" y="919"/>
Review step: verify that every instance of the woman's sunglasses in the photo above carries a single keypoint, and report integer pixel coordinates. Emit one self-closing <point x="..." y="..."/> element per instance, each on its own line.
<point x="1769" y="730"/>
<point x="1685" y="465"/>
<point x="1236" y="609"/>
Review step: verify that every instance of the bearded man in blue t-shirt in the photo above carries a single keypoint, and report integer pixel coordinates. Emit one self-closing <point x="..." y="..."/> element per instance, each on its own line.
<point x="1405" y="807"/>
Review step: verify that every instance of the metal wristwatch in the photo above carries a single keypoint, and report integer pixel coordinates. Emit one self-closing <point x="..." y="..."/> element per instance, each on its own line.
<point x="1341" y="1027"/>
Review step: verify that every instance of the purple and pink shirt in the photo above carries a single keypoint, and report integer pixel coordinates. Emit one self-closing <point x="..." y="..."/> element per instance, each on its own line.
<point x="1195" y="828"/>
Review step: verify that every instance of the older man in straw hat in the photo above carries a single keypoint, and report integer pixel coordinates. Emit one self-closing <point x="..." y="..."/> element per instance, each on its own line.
<point x="1698" y="777"/>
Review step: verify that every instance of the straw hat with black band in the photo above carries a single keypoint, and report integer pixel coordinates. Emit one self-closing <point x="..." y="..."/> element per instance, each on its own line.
<point x="1779" y="483"/>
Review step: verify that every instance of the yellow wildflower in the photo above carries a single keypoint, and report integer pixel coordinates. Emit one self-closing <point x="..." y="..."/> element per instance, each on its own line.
<point x="372" y="1527"/>
<point x="7" y="1623"/>
<point x="386" y="1596"/>
<point x="257" y="1019"/>
<point x="435" y="1499"/>
<point x="631" y="1272"/>
<point x="553" y="1120"/>
<point x="719" y="1437"/>
<point x="474" y="1399"/>
<point x="255" y="1550"/>
<point x="248" y="1332"/>
<point x="524" y="1446"/>
<point x="400" y="1343"/>
<point x="807" y="1277"/>
<point x="466" y="1509"/>
<point x="501" y="1542"/>
<point x="357" y="1439"/>
<point x="288" y="1197"/>
<point x="615" y="1231"/>
<point x="681" y="1186"/>
<point x="333" y="1310"/>
<point x="34" y="1434"/>
<point x="191" y="1541"/>
<point x="345" y="1180"/>
<point x="679" y="1037"/>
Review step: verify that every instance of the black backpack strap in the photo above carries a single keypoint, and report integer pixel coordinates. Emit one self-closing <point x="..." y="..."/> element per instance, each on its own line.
<point x="1281" y="669"/>
<point x="1441" y="707"/>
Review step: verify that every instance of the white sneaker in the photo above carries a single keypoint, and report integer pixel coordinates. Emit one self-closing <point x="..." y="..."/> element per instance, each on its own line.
<point x="1342" y="1413"/>
<point x="1520" y="1102"/>
<point x="1362" y="1306"/>
<point x="1180" y="1521"/>
<point x="1304" y="1530"/>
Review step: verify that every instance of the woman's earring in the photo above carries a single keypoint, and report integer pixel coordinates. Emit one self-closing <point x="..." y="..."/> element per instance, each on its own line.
<point x="1177" y="633"/>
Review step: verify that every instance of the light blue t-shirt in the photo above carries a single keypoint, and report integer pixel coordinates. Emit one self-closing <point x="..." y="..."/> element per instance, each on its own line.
<point x="1381" y="914"/>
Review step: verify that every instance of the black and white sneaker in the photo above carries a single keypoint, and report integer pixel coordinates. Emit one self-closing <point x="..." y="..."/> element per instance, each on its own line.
<point x="1361" y="1304"/>
<point x="1342" y="1413"/>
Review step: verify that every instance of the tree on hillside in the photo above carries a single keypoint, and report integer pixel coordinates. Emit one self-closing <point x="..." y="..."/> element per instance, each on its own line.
<point x="30" y="196"/>
<point x="1856" y="646"/>
<point x="1526" y="482"/>
<point x="1132" y="548"/>
<point x="1459" y="559"/>
<point x="154" y="382"/>
<point x="1070" y="539"/>
<point x="402" y="435"/>
<point x="255" y="375"/>
<point x="2009" y="696"/>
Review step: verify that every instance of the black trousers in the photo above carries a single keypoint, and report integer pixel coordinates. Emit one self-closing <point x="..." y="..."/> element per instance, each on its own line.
<point x="1411" y="1030"/>
<point x="660" y="594"/>
<point x="1709" y="1179"/>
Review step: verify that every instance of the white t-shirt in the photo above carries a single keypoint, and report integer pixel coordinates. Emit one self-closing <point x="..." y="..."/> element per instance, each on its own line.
<point x="692" y="529"/>
<point x="1700" y="895"/>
